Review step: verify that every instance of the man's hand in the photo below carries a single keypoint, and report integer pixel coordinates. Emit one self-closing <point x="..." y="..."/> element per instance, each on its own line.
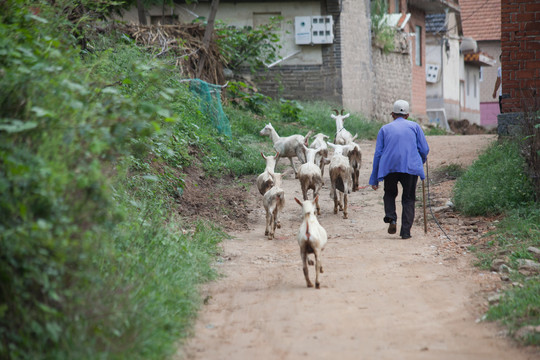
<point x="374" y="187"/>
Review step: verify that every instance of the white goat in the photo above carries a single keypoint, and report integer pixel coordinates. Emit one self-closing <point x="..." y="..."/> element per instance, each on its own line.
<point x="321" y="158"/>
<point x="312" y="239"/>
<point x="289" y="147"/>
<point x="310" y="177"/>
<point x="265" y="180"/>
<point x="340" y="178"/>
<point x="273" y="201"/>
<point x="343" y="136"/>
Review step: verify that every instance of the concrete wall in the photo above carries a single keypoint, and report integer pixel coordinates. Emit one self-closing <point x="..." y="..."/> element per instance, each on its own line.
<point x="356" y="66"/>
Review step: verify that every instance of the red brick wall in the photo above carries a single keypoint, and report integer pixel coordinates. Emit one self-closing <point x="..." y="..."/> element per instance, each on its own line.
<point x="520" y="45"/>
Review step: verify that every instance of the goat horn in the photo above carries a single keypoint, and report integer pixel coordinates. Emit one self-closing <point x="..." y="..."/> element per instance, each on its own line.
<point x="342" y="110"/>
<point x="337" y="112"/>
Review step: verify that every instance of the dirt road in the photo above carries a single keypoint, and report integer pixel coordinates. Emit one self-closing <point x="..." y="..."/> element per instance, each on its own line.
<point x="381" y="297"/>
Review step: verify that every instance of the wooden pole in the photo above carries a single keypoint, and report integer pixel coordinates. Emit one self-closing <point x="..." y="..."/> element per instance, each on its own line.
<point x="424" y="198"/>
<point x="424" y="205"/>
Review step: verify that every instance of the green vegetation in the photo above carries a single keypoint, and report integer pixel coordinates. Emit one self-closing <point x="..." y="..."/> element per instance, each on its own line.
<point x="94" y="261"/>
<point x="496" y="184"/>
<point x="381" y="32"/>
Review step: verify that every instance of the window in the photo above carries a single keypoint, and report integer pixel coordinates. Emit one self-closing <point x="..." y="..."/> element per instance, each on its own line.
<point x="418" y="45"/>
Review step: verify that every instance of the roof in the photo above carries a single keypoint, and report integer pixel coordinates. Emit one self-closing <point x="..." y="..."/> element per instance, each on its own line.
<point x="481" y="19"/>
<point x="435" y="23"/>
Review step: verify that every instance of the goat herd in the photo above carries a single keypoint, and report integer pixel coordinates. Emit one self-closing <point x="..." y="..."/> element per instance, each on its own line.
<point x="344" y="169"/>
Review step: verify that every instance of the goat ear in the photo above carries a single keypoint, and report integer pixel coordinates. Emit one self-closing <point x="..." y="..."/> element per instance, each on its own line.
<point x="298" y="201"/>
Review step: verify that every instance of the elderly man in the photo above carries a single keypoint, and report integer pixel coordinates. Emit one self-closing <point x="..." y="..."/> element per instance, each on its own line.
<point x="400" y="153"/>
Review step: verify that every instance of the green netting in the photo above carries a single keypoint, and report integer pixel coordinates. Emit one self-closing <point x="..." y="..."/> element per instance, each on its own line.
<point x="210" y="96"/>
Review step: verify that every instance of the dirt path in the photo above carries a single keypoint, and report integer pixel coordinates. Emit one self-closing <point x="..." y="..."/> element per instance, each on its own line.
<point x="381" y="297"/>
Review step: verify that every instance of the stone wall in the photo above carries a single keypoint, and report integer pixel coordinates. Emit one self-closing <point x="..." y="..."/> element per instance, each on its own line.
<point x="392" y="79"/>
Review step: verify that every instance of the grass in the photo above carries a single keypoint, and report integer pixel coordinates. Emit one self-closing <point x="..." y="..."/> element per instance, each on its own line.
<point x="496" y="184"/>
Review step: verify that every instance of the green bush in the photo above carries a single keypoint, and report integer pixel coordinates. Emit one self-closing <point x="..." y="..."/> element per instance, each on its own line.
<point x="496" y="182"/>
<point x="89" y="267"/>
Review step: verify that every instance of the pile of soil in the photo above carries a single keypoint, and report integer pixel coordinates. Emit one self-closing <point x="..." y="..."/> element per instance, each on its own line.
<point x="464" y="127"/>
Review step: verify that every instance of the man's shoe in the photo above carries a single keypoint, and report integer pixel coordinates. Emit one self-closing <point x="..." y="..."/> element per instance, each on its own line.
<point x="392" y="227"/>
<point x="405" y="237"/>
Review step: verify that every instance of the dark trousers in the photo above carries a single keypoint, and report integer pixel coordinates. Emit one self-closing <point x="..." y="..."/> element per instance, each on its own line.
<point x="408" y="182"/>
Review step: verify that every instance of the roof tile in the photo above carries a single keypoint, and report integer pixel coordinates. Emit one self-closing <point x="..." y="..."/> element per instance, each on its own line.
<point x="481" y="19"/>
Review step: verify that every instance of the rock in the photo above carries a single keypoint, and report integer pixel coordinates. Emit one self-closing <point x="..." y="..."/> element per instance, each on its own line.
<point x="493" y="299"/>
<point x="528" y="266"/>
<point x="504" y="269"/>
<point x="449" y="203"/>
<point x="535" y="251"/>
<point x="526" y="331"/>
<point x="496" y="264"/>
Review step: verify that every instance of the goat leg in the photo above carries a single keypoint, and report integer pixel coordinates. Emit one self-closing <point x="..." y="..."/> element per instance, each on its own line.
<point x="345" y="212"/>
<point x="303" y="255"/>
<point x="318" y="267"/>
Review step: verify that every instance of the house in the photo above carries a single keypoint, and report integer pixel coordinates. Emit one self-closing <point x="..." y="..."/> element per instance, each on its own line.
<point x="453" y="71"/>
<point x="343" y="66"/>
<point x="482" y="22"/>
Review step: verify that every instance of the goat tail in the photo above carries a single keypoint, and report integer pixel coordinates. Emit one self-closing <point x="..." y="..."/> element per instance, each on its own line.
<point x="308" y="235"/>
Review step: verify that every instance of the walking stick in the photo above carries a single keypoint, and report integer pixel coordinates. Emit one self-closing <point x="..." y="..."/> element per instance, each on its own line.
<point x="424" y="198"/>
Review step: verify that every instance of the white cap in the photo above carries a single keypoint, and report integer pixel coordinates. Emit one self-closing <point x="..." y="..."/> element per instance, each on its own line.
<point x="401" y="107"/>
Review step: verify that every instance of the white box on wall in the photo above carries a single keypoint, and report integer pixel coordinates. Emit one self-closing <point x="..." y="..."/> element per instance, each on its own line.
<point x="302" y="30"/>
<point x="314" y="29"/>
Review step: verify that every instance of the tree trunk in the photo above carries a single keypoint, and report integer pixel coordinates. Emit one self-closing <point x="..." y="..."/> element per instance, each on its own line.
<point x="208" y="36"/>
<point x="140" y="11"/>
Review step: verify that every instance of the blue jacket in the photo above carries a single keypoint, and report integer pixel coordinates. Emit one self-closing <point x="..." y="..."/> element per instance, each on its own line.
<point x="401" y="147"/>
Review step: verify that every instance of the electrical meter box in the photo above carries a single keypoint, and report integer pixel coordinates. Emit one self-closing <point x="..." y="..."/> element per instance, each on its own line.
<point x="314" y="30"/>
<point x="302" y="30"/>
<point x="432" y="73"/>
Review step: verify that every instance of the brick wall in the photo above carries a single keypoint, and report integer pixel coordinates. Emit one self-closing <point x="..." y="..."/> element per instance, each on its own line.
<point x="309" y="82"/>
<point x="520" y="45"/>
